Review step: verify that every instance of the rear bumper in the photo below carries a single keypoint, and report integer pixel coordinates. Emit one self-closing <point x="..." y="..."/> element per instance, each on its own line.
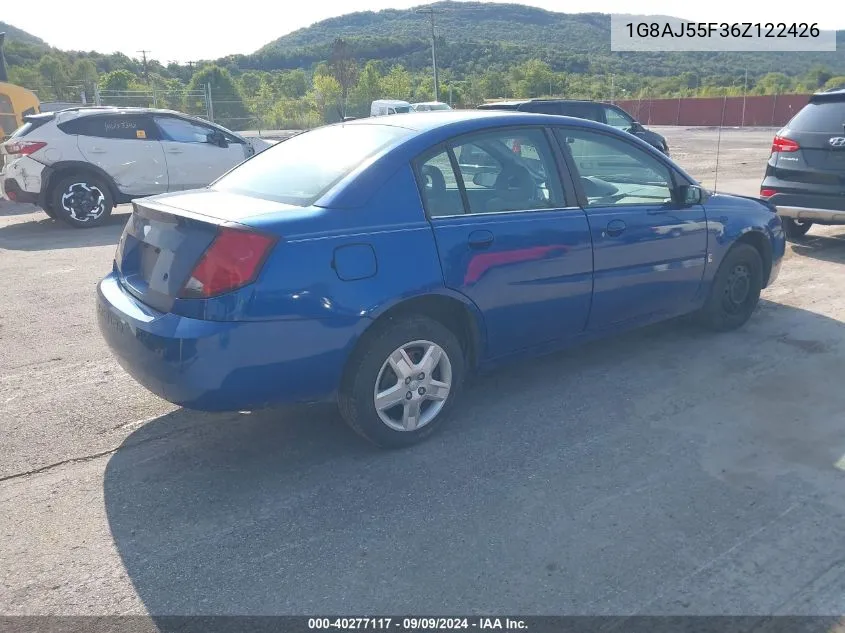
<point x="813" y="207"/>
<point x="224" y="366"/>
<point x="820" y="216"/>
<point x="20" y="180"/>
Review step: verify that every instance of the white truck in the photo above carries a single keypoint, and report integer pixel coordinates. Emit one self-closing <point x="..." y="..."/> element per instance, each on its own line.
<point x="383" y="107"/>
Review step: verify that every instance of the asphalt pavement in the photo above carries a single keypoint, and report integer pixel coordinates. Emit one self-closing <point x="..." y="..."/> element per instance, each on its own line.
<point x="667" y="471"/>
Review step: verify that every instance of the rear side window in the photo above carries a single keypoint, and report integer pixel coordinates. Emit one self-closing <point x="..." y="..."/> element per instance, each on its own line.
<point x="828" y="118"/>
<point x="542" y="108"/>
<point x="581" y="111"/>
<point x="301" y="169"/>
<point x="509" y="170"/>
<point x="125" y="127"/>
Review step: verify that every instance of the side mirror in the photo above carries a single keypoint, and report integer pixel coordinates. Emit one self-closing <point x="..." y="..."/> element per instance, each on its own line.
<point x="636" y="126"/>
<point x="217" y="138"/>
<point x="689" y="195"/>
<point x="484" y="179"/>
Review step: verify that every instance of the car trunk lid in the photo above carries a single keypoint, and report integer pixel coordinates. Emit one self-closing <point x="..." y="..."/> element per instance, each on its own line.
<point x="167" y="236"/>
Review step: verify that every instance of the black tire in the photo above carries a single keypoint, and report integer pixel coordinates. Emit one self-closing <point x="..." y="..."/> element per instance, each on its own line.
<point x="49" y="211"/>
<point x="356" y="399"/>
<point x="795" y="229"/>
<point x="82" y="200"/>
<point x="735" y="290"/>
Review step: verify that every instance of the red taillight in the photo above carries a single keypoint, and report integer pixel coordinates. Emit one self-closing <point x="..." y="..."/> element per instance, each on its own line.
<point x="231" y="262"/>
<point x="781" y="144"/>
<point x="767" y="193"/>
<point x="23" y="147"/>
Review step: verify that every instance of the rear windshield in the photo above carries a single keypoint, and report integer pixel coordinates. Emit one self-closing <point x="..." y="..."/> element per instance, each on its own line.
<point x="828" y="118"/>
<point x="300" y="170"/>
<point x="401" y="109"/>
<point x="31" y="124"/>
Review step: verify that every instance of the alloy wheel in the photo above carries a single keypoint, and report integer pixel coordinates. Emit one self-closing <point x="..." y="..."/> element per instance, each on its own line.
<point x="413" y="385"/>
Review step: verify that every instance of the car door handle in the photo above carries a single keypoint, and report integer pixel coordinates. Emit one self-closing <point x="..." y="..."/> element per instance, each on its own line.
<point x="174" y="150"/>
<point x="98" y="150"/>
<point x="480" y="239"/>
<point x="614" y="228"/>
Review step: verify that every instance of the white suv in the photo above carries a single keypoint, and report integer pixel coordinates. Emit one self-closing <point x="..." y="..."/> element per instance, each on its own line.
<point x="77" y="164"/>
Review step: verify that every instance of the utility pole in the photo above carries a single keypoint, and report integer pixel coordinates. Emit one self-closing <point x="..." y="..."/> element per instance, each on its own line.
<point x="144" y="54"/>
<point x="744" y="95"/>
<point x="611" y="87"/>
<point x="430" y="11"/>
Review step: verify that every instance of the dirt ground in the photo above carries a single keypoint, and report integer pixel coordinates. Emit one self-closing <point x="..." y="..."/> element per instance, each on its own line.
<point x="665" y="471"/>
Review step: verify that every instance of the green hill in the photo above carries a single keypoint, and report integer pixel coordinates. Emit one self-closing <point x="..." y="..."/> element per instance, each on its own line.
<point x="476" y="36"/>
<point x="14" y="34"/>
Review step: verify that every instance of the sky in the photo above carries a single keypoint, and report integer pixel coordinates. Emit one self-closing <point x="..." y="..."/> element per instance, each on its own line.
<point x="180" y="30"/>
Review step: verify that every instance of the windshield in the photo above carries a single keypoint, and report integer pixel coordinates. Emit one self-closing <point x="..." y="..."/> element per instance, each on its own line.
<point x="440" y="106"/>
<point x="401" y="109"/>
<point x="300" y="170"/>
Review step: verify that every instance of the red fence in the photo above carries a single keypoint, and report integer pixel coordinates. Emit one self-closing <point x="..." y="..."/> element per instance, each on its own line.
<point x="762" y="111"/>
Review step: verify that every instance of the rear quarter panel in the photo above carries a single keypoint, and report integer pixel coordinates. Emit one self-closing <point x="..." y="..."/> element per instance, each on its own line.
<point x="352" y="262"/>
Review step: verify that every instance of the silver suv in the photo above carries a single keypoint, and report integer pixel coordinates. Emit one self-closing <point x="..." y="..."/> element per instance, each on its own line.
<point x="77" y="164"/>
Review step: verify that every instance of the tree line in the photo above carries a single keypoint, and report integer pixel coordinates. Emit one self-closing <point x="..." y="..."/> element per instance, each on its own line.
<point x="342" y="85"/>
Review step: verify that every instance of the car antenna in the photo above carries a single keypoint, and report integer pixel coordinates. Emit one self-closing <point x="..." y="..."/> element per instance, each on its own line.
<point x="719" y="144"/>
<point x="718" y="147"/>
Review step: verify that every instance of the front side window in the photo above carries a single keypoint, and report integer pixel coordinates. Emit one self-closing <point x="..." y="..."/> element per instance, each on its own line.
<point x="612" y="171"/>
<point x="182" y="131"/>
<point x="301" y="169"/>
<point x="617" y="119"/>
<point x="507" y="170"/>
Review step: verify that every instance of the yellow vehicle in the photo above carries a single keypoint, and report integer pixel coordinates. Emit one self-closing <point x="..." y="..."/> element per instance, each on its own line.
<point x="15" y="102"/>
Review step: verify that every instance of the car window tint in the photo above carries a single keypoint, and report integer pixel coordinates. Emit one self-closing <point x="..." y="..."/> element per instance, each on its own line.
<point x="612" y="171"/>
<point x="581" y="111"/>
<point x="509" y="171"/>
<point x="301" y="169"/>
<point x="617" y="119"/>
<point x="541" y="107"/>
<point x="126" y="127"/>
<point x="827" y="118"/>
<point x="439" y="187"/>
<point x="182" y="131"/>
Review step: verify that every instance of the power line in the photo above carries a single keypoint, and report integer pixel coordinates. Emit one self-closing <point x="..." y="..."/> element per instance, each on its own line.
<point x="430" y="11"/>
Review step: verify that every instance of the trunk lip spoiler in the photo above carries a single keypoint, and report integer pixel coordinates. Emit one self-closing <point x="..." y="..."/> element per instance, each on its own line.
<point x="169" y="209"/>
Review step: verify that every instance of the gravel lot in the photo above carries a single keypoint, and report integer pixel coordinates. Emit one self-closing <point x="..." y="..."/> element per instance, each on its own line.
<point x="665" y="471"/>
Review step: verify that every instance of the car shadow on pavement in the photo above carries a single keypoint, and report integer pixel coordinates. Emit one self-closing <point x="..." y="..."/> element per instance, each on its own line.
<point x="47" y="234"/>
<point x="546" y="466"/>
<point x="16" y="208"/>
<point x="829" y="248"/>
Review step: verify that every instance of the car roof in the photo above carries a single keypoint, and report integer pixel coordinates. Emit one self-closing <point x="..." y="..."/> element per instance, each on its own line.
<point x="439" y="126"/>
<point x="390" y="102"/>
<point x="84" y="111"/>
<point x="460" y="121"/>
<point x="90" y="110"/>
<point x="518" y="102"/>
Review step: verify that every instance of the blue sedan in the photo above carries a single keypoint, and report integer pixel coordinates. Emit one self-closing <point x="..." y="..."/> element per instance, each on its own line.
<point x="378" y="262"/>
